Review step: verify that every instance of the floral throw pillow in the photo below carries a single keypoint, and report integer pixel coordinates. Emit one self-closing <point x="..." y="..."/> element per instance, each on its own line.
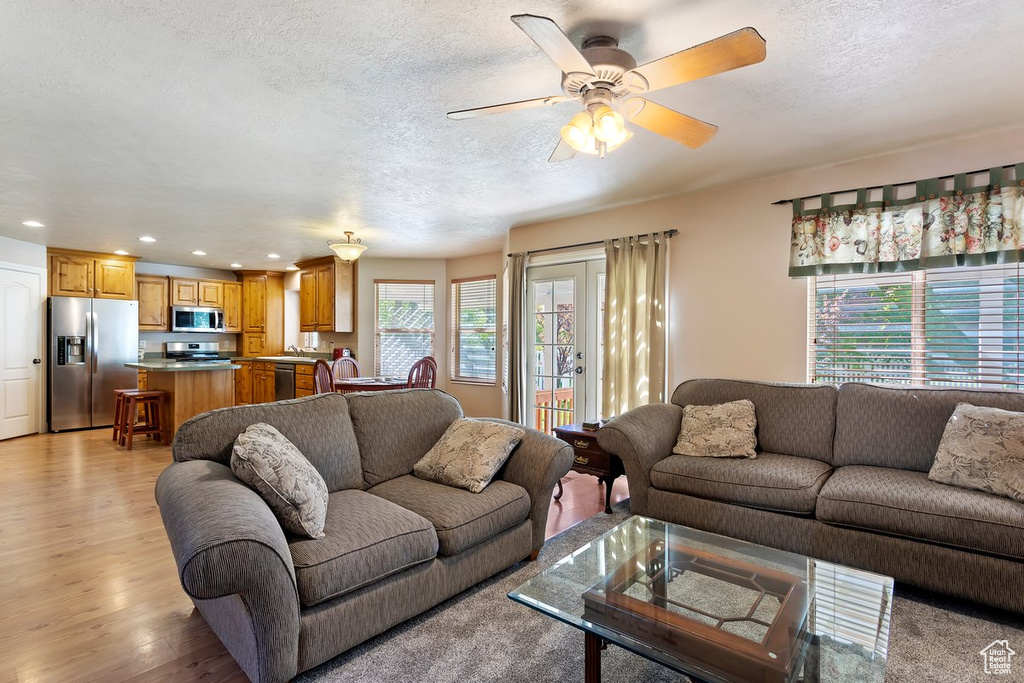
<point x="268" y="462"/>
<point x="982" y="448"/>
<point x="469" y="454"/>
<point x="724" y="430"/>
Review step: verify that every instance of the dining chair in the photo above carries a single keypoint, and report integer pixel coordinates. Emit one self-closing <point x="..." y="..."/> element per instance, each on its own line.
<point x="423" y="374"/>
<point x="323" y="378"/>
<point x="345" y="367"/>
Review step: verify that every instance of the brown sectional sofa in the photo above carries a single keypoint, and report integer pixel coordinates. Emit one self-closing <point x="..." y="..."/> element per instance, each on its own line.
<point x="841" y="475"/>
<point x="395" y="545"/>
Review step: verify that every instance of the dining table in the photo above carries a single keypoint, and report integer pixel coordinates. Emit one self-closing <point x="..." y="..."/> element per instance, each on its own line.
<point x="348" y="385"/>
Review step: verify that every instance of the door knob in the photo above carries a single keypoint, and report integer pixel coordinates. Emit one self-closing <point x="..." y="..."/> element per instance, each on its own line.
<point x="579" y="369"/>
<point x="37" y="361"/>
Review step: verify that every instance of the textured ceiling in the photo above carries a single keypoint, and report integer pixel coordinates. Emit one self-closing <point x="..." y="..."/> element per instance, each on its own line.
<point x="246" y="127"/>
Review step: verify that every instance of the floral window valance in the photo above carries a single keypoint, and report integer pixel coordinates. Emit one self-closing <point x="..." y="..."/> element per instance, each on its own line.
<point x="938" y="227"/>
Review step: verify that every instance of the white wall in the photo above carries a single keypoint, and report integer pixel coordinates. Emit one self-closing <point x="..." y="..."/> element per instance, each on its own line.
<point x="477" y="400"/>
<point x="22" y="253"/>
<point x="734" y="311"/>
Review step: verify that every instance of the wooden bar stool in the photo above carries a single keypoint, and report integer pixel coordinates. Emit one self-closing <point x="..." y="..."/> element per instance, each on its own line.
<point x="119" y="417"/>
<point x="152" y="404"/>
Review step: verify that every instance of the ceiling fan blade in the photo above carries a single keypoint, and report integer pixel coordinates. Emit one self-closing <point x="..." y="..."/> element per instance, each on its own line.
<point x="508" y="106"/>
<point x="550" y="38"/>
<point x="728" y="52"/>
<point x="661" y="120"/>
<point x="563" y="152"/>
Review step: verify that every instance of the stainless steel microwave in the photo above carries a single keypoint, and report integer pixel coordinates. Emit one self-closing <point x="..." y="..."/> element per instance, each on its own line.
<point x="196" y="319"/>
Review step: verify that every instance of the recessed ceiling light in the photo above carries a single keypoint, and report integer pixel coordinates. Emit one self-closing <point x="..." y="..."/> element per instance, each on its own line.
<point x="199" y="252"/>
<point x="236" y="265"/>
<point x="273" y="256"/>
<point x="121" y="252"/>
<point x="292" y="268"/>
<point x="147" y="238"/>
<point x="33" y="224"/>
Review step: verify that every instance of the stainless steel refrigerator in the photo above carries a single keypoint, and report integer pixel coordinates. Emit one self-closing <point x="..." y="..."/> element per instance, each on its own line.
<point x="90" y="341"/>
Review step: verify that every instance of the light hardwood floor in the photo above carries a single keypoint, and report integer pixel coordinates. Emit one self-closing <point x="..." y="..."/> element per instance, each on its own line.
<point x="88" y="588"/>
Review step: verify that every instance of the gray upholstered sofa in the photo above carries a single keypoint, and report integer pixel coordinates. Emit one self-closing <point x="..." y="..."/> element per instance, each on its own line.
<point x="395" y="545"/>
<point x="840" y="475"/>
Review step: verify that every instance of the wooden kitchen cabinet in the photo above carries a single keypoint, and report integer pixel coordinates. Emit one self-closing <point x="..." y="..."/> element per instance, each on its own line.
<point x="154" y="311"/>
<point x="232" y="307"/>
<point x="262" y="313"/>
<point x="326" y="295"/>
<point x="243" y="383"/>
<point x="88" y="274"/>
<point x="304" y="385"/>
<point x="262" y="382"/>
<point x="205" y="293"/>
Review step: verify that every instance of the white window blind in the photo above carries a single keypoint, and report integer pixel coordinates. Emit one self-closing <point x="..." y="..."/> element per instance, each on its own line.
<point x="404" y="324"/>
<point x="950" y="327"/>
<point x="474" y="330"/>
<point x="850" y="605"/>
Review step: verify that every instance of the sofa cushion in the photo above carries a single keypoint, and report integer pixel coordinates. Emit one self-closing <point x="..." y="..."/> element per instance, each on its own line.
<point x="772" y="481"/>
<point x="982" y="449"/>
<point x="905" y="503"/>
<point x="397" y="428"/>
<point x="366" y="538"/>
<point x="460" y="518"/>
<point x="292" y="488"/>
<point x="724" y="430"/>
<point x="319" y="426"/>
<point x="901" y="428"/>
<point x="469" y="454"/>
<point x="796" y="419"/>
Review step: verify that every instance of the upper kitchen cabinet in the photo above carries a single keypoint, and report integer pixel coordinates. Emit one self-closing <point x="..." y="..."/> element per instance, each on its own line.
<point x="262" y="313"/>
<point x="204" y="293"/>
<point x="151" y="291"/>
<point x="232" y="307"/>
<point x="87" y="274"/>
<point x="326" y="295"/>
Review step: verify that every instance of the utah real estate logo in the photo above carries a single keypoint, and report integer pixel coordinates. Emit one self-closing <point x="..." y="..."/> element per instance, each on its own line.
<point x="997" y="657"/>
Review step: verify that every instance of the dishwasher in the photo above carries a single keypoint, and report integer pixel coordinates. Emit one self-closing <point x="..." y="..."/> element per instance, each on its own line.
<point x="284" y="381"/>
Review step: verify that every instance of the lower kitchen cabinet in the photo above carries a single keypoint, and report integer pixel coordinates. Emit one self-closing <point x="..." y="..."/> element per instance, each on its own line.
<point x="243" y="383"/>
<point x="262" y="382"/>
<point x="304" y="380"/>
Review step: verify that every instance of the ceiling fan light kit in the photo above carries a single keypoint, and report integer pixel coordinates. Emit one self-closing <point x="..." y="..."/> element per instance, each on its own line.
<point x="606" y="80"/>
<point x="350" y="249"/>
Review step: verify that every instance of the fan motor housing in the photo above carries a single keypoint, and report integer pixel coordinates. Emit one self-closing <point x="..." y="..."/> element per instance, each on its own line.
<point x="611" y="64"/>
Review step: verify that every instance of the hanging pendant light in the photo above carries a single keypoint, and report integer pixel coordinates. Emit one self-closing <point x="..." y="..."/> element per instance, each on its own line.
<point x="349" y="250"/>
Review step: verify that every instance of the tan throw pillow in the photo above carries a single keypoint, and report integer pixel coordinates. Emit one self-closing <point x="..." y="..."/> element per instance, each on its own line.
<point x="469" y="454"/>
<point x="268" y="462"/>
<point x="983" y="449"/>
<point x="725" y="430"/>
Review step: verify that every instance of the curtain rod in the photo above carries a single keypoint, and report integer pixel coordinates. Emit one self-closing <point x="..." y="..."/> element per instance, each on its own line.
<point x="878" y="187"/>
<point x="668" y="233"/>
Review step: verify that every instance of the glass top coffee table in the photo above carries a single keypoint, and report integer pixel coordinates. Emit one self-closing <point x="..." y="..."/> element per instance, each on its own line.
<point x="716" y="608"/>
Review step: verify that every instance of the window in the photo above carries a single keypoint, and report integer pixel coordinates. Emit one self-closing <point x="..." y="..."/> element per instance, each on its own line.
<point x="952" y="327"/>
<point x="474" y="330"/>
<point x="404" y="326"/>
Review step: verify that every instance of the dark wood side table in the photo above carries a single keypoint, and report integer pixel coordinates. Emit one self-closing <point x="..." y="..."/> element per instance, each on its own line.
<point x="588" y="458"/>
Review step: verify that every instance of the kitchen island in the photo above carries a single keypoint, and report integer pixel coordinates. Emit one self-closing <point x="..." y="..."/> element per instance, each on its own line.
<point x="191" y="388"/>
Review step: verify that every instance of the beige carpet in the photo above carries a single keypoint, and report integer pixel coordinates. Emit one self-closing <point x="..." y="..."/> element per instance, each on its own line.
<point x="481" y="636"/>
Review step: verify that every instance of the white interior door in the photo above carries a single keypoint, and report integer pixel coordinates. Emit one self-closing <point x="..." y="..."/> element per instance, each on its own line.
<point x="565" y="302"/>
<point x="20" y="360"/>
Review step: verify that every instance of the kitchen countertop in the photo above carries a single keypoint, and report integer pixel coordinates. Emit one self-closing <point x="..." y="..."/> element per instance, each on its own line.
<point x="171" y="366"/>
<point x="281" y="359"/>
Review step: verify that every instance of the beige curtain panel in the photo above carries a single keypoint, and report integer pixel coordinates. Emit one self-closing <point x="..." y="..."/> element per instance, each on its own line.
<point x="515" y="344"/>
<point x="634" y="330"/>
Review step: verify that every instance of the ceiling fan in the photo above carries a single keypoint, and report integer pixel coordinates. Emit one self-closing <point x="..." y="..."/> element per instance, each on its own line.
<point x="607" y="81"/>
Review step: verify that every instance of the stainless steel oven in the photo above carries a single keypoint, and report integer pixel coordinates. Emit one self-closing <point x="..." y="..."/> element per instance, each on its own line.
<point x="196" y="319"/>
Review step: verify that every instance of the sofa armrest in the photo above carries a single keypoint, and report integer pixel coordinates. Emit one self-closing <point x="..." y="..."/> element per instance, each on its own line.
<point x="227" y="542"/>
<point x="641" y="437"/>
<point x="536" y="464"/>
